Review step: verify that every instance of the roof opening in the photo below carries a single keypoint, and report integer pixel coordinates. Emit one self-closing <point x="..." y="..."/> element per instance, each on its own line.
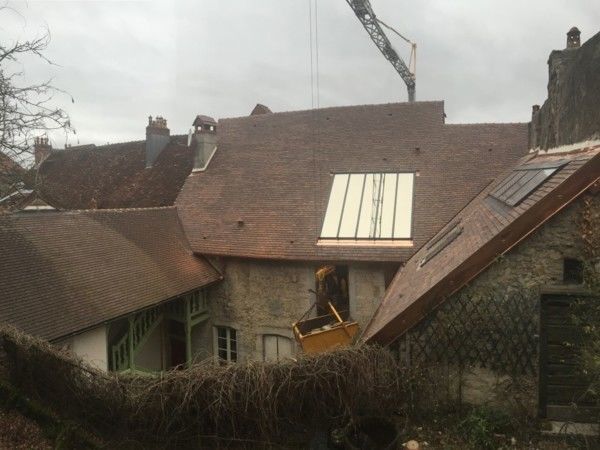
<point x="371" y="206"/>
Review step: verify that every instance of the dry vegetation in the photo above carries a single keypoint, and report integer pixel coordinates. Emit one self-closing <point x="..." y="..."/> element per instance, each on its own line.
<point x="252" y="405"/>
<point x="266" y="402"/>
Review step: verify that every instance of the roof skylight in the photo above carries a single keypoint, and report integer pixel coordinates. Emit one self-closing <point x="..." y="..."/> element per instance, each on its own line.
<point x="369" y="206"/>
<point x="441" y="242"/>
<point x="524" y="180"/>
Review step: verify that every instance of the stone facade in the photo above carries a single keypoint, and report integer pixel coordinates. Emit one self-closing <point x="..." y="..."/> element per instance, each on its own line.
<point x="259" y="297"/>
<point x="485" y="338"/>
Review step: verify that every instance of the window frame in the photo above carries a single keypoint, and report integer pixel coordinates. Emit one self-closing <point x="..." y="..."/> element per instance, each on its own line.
<point x="228" y="341"/>
<point x="349" y="240"/>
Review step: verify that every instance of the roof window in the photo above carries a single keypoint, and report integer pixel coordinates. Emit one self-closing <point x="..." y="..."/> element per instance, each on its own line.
<point x="442" y="241"/>
<point x="375" y="206"/>
<point x="524" y="180"/>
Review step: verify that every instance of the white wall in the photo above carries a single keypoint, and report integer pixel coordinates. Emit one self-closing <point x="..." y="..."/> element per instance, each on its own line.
<point x="91" y="347"/>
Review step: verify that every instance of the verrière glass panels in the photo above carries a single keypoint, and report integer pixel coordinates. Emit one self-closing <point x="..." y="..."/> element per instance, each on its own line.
<point x="369" y="206"/>
<point x="524" y="180"/>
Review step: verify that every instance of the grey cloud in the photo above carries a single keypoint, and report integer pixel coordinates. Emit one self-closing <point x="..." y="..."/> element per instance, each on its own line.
<point x="125" y="60"/>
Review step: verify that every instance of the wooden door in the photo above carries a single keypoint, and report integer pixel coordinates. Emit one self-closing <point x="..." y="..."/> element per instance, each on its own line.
<point x="563" y="385"/>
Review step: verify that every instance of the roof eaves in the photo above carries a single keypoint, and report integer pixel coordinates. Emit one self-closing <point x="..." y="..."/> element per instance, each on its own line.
<point x="106" y="321"/>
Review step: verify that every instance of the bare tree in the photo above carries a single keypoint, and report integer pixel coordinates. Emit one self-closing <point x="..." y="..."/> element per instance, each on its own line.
<point x="26" y="110"/>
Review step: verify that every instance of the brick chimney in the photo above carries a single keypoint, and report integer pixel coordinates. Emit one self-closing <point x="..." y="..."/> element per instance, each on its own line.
<point x="204" y="140"/>
<point x="157" y="138"/>
<point x="574" y="38"/>
<point x="41" y="148"/>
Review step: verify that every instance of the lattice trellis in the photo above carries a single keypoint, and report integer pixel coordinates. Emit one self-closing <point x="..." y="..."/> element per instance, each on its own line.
<point x="498" y="332"/>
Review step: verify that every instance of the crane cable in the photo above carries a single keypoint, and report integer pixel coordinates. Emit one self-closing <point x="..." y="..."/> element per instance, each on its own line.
<point x="317" y="51"/>
<point x="314" y="64"/>
<point x="310" y="32"/>
<point x="313" y="23"/>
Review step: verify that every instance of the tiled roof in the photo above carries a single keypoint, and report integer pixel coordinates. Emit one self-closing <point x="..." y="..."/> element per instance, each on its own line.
<point x="265" y="191"/>
<point x="489" y="228"/>
<point x="63" y="272"/>
<point x="114" y="176"/>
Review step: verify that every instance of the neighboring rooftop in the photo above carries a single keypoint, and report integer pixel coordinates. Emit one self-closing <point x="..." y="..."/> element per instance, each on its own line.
<point x="265" y="192"/>
<point x="10" y="174"/>
<point x="260" y="109"/>
<point x="114" y="176"/>
<point x="517" y="203"/>
<point x="64" y="272"/>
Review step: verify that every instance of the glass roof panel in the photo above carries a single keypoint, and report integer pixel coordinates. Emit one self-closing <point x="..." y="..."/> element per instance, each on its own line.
<point x="369" y="206"/>
<point x="388" y="200"/>
<point x="334" y="206"/>
<point x="404" y="204"/>
<point x="352" y="206"/>
<point x="527" y="188"/>
<point x="364" y="224"/>
<point x="523" y="181"/>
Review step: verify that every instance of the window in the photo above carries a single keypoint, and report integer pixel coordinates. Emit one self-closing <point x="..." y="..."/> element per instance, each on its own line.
<point x="276" y="347"/>
<point x="524" y="180"/>
<point x="441" y="242"/>
<point x="369" y="206"/>
<point x="572" y="271"/>
<point x="226" y="344"/>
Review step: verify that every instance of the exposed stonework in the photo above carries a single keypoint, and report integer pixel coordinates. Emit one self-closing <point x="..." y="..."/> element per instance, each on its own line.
<point x="571" y="113"/>
<point x="260" y="297"/>
<point x="533" y="265"/>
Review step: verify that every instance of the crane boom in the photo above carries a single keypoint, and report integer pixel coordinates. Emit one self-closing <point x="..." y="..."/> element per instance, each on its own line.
<point x="364" y="12"/>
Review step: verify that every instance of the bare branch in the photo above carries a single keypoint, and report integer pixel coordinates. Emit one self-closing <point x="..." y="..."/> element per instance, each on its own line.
<point x="26" y="110"/>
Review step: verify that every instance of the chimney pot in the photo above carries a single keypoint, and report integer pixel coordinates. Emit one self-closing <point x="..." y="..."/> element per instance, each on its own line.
<point x="574" y="38"/>
<point x="157" y="139"/>
<point x="41" y="148"/>
<point x="205" y="140"/>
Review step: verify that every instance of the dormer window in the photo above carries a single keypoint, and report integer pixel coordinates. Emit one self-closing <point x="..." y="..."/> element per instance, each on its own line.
<point x="369" y="207"/>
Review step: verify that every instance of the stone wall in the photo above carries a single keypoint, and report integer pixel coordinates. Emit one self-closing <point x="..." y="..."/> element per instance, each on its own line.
<point x="571" y="113"/>
<point x="260" y="297"/>
<point x="485" y="337"/>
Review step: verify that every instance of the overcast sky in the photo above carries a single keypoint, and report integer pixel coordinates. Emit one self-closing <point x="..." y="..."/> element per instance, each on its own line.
<point x="125" y="60"/>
